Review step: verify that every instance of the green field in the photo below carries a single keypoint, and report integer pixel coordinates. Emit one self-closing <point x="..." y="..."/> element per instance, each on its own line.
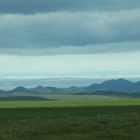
<point x="99" y="119"/>
<point x="69" y="103"/>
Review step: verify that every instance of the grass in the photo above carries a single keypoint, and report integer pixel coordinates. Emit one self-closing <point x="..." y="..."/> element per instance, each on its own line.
<point x="77" y="128"/>
<point x="116" y="119"/>
<point x="65" y="123"/>
<point x="69" y="103"/>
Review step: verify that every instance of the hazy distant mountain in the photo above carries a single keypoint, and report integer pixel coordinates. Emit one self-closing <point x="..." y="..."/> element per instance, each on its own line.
<point x="41" y="89"/>
<point x="121" y="85"/>
<point x="109" y="86"/>
<point x="136" y="87"/>
<point x="20" y="89"/>
<point x="3" y="92"/>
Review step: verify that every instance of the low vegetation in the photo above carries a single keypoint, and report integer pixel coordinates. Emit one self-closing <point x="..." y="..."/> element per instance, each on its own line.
<point x="116" y="119"/>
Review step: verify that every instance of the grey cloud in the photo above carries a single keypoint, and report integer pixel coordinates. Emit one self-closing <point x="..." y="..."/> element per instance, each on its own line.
<point x="37" y="6"/>
<point x="93" y="49"/>
<point x="69" y="32"/>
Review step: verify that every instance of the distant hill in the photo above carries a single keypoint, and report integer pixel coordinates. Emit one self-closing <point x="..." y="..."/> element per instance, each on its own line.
<point x="41" y="89"/>
<point x="120" y="85"/>
<point x="20" y="89"/>
<point x="111" y="87"/>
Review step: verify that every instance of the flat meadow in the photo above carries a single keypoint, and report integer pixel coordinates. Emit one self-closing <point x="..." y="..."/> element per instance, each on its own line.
<point x="98" y="119"/>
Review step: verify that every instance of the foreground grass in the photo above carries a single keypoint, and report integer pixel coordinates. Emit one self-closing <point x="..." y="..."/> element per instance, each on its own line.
<point x="77" y="128"/>
<point x="70" y="120"/>
<point x="66" y="123"/>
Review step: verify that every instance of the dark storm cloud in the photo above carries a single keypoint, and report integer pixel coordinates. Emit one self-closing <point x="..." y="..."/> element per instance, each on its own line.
<point x="69" y="27"/>
<point x="37" y="6"/>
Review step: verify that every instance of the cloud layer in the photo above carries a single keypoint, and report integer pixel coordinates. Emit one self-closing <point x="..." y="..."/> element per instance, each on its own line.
<point x="37" y="6"/>
<point x="96" y="31"/>
<point x="93" y="38"/>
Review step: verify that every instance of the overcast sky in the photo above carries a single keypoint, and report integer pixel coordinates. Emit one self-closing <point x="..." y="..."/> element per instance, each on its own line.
<point x="76" y="38"/>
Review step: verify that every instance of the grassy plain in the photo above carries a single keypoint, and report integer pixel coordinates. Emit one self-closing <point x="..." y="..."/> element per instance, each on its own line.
<point x="70" y="103"/>
<point x="97" y="119"/>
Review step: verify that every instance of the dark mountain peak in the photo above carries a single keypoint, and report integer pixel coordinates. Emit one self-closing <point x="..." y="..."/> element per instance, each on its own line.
<point x="124" y="81"/>
<point x="53" y="89"/>
<point x="39" y="87"/>
<point x="113" y="85"/>
<point x="20" y="89"/>
<point x="3" y="92"/>
<point x="118" y="81"/>
<point x="137" y="83"/>
<point x="73" y="87"/>
<point x="93" y="85"/>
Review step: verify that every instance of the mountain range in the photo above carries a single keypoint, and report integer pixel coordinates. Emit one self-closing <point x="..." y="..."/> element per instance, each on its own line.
<point x="109" y="86"/>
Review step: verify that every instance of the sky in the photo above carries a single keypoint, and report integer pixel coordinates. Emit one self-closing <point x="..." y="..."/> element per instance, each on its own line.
<point x="70" y="38"/>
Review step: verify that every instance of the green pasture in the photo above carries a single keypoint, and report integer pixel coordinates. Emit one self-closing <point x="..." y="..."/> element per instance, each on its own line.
<point x="66" y="123"/>
<point x="69" y="103"/>
<point x="96" y="119"/>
